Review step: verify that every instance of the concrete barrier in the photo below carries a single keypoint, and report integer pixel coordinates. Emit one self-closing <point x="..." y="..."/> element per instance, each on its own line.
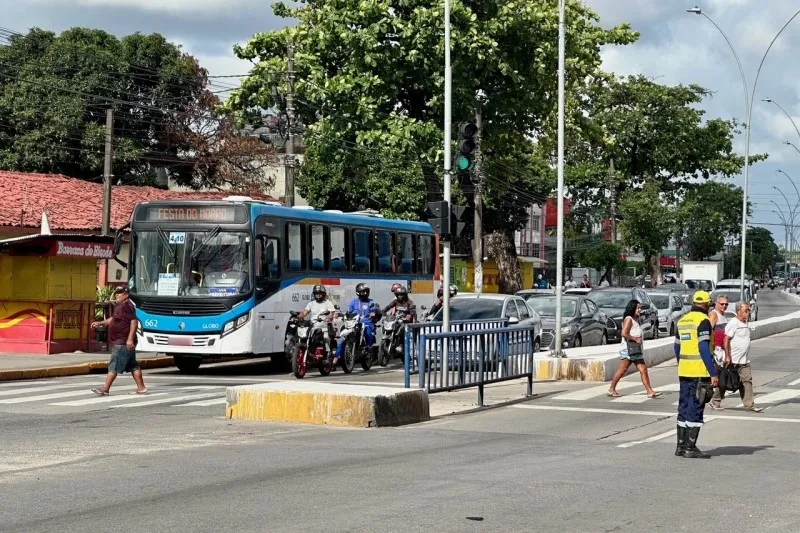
<point x="599" y="363"/>
<point x="308" y="402"/>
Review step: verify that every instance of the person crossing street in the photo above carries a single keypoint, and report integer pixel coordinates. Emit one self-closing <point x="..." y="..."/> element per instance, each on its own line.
<point x="697" y="374"/>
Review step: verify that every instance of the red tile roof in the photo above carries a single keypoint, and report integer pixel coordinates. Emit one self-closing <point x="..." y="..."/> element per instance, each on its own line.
<point x="74" y="204"/>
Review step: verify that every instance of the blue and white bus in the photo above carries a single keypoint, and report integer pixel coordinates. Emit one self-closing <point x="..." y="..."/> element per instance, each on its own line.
<point x="220" y="277"/>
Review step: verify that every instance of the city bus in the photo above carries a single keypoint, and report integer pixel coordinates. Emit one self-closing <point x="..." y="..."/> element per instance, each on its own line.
<point x="219" y="277"/>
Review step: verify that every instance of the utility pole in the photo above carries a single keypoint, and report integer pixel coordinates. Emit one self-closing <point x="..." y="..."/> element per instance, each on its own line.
<point x="447" y="193"/>
<point x="289" y="161"/>
<point x="612" y="186"/>
<point x="562" y="39"/>
<point x="477" y="248"/>
<point x="107" y="171"/>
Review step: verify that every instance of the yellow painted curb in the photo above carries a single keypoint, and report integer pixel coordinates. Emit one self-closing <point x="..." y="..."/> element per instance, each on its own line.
<point x="327" y="404"/>
<point x="76" y="369"/>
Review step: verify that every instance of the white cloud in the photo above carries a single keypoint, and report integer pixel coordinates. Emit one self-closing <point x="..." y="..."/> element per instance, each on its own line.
<point x="171" y="6"/>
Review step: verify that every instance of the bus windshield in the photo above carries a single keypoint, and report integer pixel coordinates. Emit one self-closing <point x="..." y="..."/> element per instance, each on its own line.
<point x="209" y="263"/>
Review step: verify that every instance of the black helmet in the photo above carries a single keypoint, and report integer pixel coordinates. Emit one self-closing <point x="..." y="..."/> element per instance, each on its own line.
<point x="401" y="293"/>
<point x="362" y="290"/>
<point x="440" y="292"/>
<point x="319" y="292"/>
<point x="453" y="290"/>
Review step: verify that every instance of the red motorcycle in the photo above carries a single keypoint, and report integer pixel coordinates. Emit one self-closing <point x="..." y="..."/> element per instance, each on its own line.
<point x="313" y="346"/>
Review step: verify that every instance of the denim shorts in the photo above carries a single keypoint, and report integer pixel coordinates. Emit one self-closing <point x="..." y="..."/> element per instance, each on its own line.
<point x="122" y="359"/>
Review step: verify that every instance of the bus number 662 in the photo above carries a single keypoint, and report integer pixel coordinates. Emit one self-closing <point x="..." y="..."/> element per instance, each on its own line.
<point x="151" y="323"/>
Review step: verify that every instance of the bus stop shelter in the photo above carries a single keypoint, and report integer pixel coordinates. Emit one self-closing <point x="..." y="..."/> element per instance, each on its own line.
<point x="48" y="290"/>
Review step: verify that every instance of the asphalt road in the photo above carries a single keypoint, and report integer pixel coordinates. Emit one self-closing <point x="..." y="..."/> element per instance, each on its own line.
<point x="570" y="459"/>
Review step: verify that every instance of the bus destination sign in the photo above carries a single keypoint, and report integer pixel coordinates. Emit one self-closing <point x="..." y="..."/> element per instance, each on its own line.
<point x="213" y="214"/>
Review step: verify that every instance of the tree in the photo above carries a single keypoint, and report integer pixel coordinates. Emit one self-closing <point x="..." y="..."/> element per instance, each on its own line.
<point x="55" y="90"/>
<point x="370" y="95"/>
<point x="653" y="133"/>
<point x="709" y="213"/>
<point x="604" y="258"/>
<point x="647" y="224"/>
<point x="761" y="244"/>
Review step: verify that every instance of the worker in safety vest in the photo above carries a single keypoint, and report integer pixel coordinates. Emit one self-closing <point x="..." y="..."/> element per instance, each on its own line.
<point x="697" y="374"/>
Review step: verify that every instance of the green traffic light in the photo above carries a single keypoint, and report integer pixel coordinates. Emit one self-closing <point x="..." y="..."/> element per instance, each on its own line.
<point x="463" y="163"/>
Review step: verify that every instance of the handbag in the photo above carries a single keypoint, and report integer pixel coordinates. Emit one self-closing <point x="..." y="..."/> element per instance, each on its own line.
<point x="729" y="379"/>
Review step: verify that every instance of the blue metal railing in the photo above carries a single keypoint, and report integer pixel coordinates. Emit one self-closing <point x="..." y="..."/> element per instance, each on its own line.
<point x="474" y="358"/>
<point x="415" y="331"/>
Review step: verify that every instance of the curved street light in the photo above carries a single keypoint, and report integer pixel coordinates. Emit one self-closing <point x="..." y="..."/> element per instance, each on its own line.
<point x="771" y="101"/>
<point x="790" y="143"/>
<point x="748" y="100"/>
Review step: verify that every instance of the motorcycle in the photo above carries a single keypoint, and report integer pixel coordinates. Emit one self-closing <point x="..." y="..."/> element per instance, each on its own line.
<point x="355" y="340"/>
<point x="393" y="339"/>
<point x="313" y="346"/>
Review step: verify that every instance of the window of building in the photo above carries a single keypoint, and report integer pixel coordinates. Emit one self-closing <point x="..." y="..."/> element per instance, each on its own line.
<point x="318" y="248"/>
<point x="338" y="253"/>
<point x="536" y="250"/>
<point x="535" y="222"/>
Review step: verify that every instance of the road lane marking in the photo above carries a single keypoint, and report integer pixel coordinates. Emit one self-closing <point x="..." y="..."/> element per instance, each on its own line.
<point x="641" y="396"/>
<point x="204" y="403"/>
<point x="172" y="399"/>
<point x="795" y="382"/>
<point x="593" y="410"/>
<point x="654" y="438"/>
<point x="104" y="399"/>
<point x="594" y="392"/>
<point x="26" y="390"/>
<point x="777" y="396"/>
<point x="40" y="397"/>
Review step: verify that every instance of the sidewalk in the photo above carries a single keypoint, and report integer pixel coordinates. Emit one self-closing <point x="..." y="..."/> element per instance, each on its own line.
<point x="29" y="366"/>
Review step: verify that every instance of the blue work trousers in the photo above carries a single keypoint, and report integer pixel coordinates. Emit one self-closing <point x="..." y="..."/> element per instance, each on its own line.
<point x="690" y="409"/>
<point x="369" y="336"/>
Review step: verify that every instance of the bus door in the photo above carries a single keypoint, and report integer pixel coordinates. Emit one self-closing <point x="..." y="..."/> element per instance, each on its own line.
<point x="268" y="331"/>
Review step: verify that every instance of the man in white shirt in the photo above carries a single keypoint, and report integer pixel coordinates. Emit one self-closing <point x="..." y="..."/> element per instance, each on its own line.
<point x="737" y="352"/>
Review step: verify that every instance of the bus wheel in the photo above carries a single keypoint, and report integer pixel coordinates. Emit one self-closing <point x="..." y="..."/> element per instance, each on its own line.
<point x="187" y="365"/>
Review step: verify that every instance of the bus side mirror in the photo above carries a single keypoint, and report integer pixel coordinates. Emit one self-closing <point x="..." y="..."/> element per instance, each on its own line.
<point x="119" y="240"/>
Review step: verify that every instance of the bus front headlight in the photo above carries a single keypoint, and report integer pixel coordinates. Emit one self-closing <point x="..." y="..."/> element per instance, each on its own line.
<point x="235" y="324"/>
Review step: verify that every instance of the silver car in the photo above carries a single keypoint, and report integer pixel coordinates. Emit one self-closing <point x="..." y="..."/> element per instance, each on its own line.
<point x="670" y="310"/>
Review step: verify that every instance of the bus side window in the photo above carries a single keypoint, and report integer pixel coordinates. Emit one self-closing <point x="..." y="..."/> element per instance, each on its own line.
<point x="425" y="254"/>
<point x="338" y="249"/>
<point x="385" y="255"/>
<point x="362" y="250"/>
<point x="295" y="247"/>
<point x="404" y="253"/>
<point x="318" y="247"/>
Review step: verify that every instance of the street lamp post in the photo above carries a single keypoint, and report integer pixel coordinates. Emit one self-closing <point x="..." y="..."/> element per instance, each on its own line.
<point x="560" y="171"/>
<point x="787" y="238"/>
<point x="790" y="143"/>
<point x="748" y="100"/>
<point x="448" y="112"/>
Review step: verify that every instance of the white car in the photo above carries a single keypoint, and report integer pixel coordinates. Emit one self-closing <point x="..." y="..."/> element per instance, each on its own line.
<point x="670" y="309"/>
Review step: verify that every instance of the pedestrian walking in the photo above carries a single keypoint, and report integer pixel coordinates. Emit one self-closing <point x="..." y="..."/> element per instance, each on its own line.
<point x="633" y="354"/>
<point x="122" y="326"/>
<point x="737" y="356"/>
<point x="696" y="372"/>
<point x="718" y="322"/>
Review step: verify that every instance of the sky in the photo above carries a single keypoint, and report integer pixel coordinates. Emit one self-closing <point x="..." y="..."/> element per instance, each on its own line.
<point x="675" y="47"/>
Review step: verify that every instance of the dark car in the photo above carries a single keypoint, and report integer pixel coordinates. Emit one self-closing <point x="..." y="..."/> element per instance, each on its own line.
<point x="583" y="324"/>
<point x="612" y="301"/>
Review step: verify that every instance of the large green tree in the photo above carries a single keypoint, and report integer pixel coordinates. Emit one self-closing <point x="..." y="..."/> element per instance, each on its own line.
<point x="370" y="85"/>
<point x="648" y="223"/>
<point x="55" y="90"/>
<point x="708" y="214"/>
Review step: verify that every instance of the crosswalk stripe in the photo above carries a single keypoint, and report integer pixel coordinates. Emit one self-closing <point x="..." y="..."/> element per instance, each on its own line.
<point x="40" y="397"/>
<point x="204" y="403"/>
<point x="641" y="396"/>
<point x="171" y="399"/>
<point x="594" y="392"/>
<point x="26" y="390"/>
<point x="795" y="382"/>
<point x="104" y="399"/>
<point x="777" y="396"/>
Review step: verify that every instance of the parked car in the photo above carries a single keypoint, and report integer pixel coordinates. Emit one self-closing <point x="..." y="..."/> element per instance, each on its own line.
<point x="535" y="293"/>
<point x="577" y="291"/>
<point x="583" y="324"/>
<point x="733" y="296"/>
<point x="494" y="306"/>
<point x="612" y="301"/>
<point x="670" y="310"/>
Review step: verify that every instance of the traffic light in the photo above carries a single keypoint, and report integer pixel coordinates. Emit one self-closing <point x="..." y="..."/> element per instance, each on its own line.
<point x="456" y="226"/>
<point x="441" y="222"/>
<point x="465" y="159"/>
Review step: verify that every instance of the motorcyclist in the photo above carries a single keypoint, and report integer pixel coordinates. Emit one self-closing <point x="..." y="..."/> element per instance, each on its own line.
<point x="369" y="312"/>
<point x="401" y="299"/>
<point x="319" y="304"/>
<point x="440" y="300"/>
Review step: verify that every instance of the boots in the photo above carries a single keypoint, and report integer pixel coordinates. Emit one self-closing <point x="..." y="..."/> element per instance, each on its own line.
<point x="681" y="448"/>
<point x="692" y="451"/>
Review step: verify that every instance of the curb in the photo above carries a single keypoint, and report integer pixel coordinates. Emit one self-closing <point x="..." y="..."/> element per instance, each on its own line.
<point x="77" y="370"/>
